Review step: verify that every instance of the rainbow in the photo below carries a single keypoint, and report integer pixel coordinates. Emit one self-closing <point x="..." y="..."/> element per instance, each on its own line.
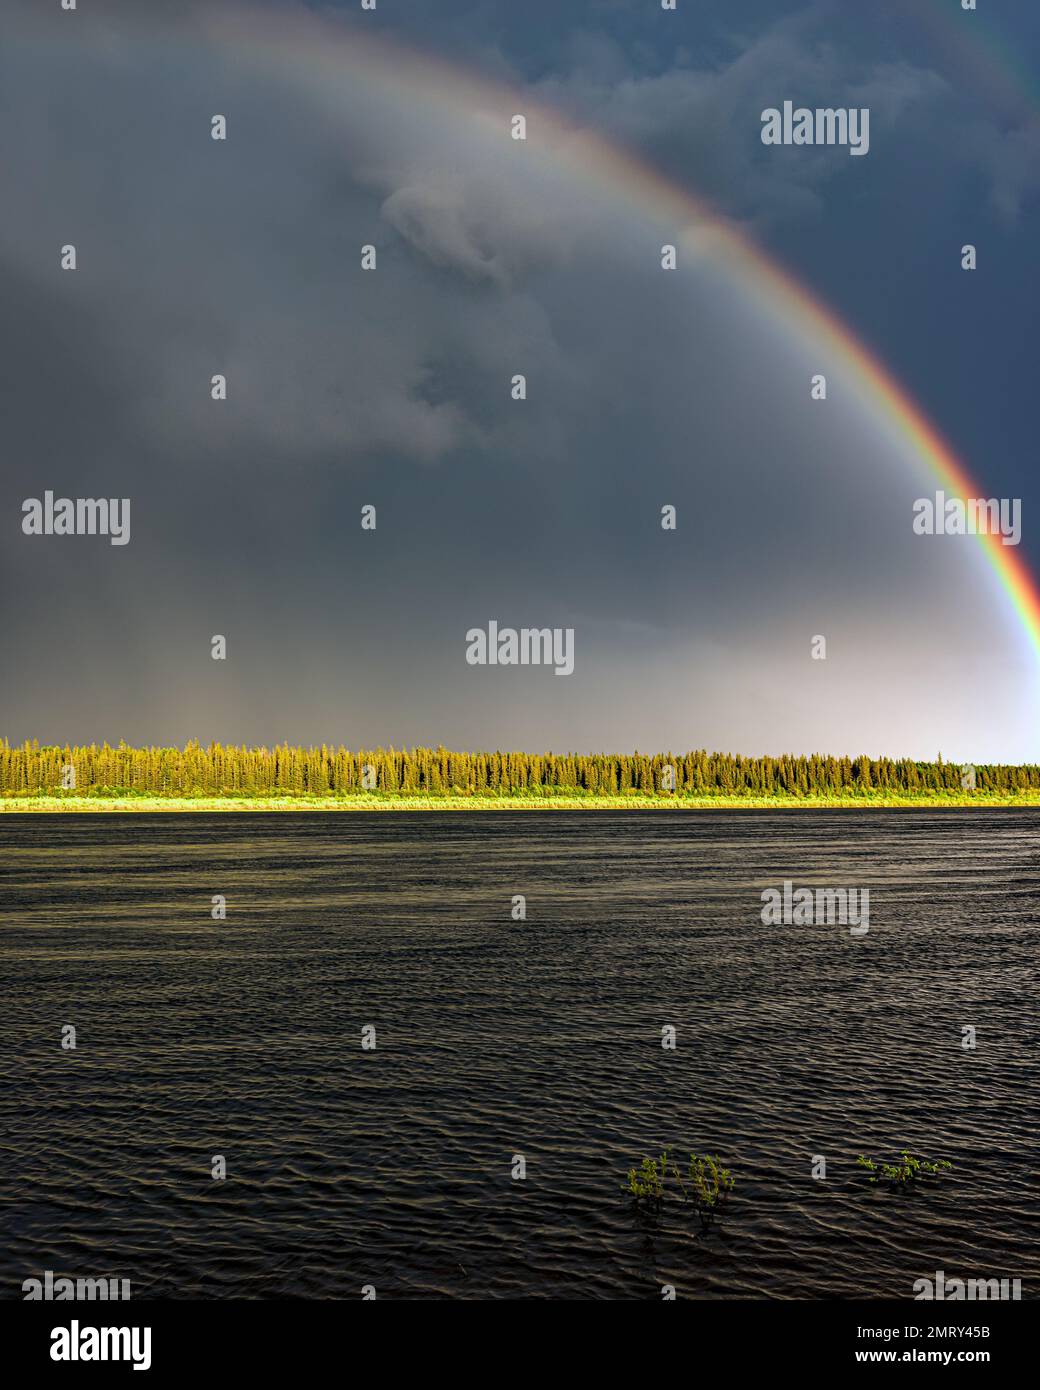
<point x="306" y="42"/>
<point x="973" y="43"/>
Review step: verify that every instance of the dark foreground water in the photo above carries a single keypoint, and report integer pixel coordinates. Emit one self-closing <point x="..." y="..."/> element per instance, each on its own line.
<point x="542" y="1038"/>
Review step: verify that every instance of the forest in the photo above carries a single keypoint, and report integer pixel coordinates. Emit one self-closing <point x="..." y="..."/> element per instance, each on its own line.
<point x="217" y="770"/>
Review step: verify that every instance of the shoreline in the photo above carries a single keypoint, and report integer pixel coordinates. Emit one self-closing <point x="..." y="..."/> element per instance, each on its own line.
<point x="76" y="805"/>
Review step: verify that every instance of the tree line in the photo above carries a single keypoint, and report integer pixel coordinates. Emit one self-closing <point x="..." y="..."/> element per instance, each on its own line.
<point x="219" y="770"/>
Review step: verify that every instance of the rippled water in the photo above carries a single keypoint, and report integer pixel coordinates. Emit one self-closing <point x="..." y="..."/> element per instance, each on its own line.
<point x="495" y="1038"/>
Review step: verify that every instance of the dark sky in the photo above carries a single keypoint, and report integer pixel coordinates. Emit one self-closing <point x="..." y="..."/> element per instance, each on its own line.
<point x="391" y="387"/>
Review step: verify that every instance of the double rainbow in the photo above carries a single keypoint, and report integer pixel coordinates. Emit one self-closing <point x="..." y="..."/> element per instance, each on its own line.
<point x="306" y="43"/>
<point x="303" y="42"/>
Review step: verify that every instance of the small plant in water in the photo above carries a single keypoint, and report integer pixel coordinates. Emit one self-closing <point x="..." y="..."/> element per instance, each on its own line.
<point x="646" y="1183"/>
<point x="711" y="1184"/>
<point x="706" y="1187"/>
<point x="906" y="1172"/>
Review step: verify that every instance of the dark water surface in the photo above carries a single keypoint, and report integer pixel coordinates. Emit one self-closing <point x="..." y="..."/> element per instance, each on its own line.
<point x="543" y="1038"/>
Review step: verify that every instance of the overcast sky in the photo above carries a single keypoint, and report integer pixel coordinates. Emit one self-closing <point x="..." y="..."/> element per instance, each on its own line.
<point x="392" y="387"/>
